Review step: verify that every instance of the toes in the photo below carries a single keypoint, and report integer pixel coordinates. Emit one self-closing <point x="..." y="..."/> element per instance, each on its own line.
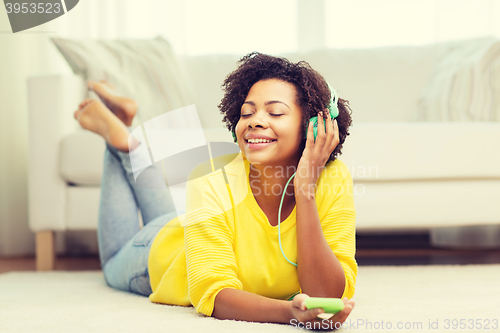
<point x="99" y="85"/>
<point x="90" y="84"/>
<point x="84" y="103"/>
<point x="76" y="114"/>
<point x="109" y="85"/>
<point x="102" y="89"/>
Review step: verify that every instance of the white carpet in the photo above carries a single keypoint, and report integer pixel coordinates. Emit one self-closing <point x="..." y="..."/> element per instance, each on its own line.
<point x="81" y="302"/>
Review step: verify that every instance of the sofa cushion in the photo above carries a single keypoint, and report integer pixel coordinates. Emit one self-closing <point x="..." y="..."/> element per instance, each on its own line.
<point x="406" y="151"/>
<point x="81" y="158"/>
<point x="426" y="204"/>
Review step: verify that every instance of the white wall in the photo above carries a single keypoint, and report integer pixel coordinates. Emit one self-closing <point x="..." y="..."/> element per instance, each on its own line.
<point x="368" y="23"/>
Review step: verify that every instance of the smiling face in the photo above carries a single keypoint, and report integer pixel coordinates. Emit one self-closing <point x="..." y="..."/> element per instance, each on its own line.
<point x="269" y="130"/>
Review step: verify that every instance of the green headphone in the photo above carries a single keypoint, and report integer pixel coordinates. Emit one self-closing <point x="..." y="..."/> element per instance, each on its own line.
<point x="333" y="108"/>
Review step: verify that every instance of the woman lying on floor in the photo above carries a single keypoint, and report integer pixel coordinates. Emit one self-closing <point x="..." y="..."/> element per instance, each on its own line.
<point x="224" y="255"/>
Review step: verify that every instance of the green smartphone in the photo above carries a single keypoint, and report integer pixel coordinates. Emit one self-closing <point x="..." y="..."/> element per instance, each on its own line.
<point x="330" y="305"/>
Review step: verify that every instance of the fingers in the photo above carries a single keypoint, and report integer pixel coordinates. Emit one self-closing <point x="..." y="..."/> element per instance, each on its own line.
<point x="344" y="313"/>
<point x="299" y="301"/>
<point x="333" y="136"/>
<point x="341" y="316"/>
<point x="310" y="134"/>
<point x="336" y="135"/>
<point x="321" y="138"/>
<point x="306" y="314"/>
<point x="303" y="314"/>
<point x="311" y="314"/>
<point x="328" y="132"/>
<point x="316" y="312"/>
<point x="332" y="131"/>
<point x="328" y="120"/>
<point x="325" y="316"/>
<point x="302" y="305"/>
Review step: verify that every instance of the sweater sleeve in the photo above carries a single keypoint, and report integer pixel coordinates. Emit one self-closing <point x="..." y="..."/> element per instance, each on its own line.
<point x="210" y="259"/>
<point x="338" y="225"/>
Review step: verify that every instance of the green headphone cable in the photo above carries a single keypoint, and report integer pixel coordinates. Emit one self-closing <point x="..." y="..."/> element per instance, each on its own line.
<point x="279" y="220"/>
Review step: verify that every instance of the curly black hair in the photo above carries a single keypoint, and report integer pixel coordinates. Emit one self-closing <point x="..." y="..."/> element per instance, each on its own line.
<point x="313" y="93"/>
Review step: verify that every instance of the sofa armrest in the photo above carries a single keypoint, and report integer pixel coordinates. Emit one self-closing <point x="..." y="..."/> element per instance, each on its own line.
<point x="52" y="101"/>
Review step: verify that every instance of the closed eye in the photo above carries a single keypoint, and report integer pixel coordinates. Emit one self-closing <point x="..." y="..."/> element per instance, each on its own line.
<point x="272" y="114"/>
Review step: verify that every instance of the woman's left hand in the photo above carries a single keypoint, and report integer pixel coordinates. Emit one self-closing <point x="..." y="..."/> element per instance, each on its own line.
<point x="316" y="317"/>
<point x="316" y="154"/>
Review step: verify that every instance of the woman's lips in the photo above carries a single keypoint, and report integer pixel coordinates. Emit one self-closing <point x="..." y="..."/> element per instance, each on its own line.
<point x="259" y="145"/>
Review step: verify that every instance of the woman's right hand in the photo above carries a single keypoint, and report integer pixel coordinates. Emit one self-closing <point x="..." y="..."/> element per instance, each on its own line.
<point x="304" y="315"/>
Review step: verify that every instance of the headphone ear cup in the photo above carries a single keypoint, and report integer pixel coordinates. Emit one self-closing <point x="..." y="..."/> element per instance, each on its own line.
<point x="332" y="108"/>
<point x="234" y="136"/>
<point x="334" y="111"/>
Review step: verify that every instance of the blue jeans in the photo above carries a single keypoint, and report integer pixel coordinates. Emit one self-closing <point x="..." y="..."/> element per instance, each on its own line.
<point x="123" y="245"/>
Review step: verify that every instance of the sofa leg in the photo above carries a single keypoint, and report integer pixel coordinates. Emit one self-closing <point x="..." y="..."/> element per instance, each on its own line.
<point x="45" y="251"/>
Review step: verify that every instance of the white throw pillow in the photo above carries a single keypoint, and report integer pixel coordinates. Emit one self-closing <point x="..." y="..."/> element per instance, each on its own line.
<point x="146" y="70"/>
<point x="466" y="83"/>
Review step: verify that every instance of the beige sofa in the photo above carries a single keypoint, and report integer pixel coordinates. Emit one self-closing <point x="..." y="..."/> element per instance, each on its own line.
<point x="411" y="170"/>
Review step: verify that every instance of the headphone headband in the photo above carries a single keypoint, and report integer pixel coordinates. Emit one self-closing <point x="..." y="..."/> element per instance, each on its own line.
<point x="334" y="102"/>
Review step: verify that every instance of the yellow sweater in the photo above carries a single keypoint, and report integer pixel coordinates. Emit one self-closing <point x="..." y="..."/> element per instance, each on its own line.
<point x="225" y="240"/>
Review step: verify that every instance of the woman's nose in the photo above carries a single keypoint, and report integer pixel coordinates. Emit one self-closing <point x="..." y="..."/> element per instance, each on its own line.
<point x="257" y="122"/>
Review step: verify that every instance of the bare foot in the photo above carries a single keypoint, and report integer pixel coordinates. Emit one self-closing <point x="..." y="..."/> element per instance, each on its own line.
<point x="94" y="116"/>
<point x="124" y="108"/>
